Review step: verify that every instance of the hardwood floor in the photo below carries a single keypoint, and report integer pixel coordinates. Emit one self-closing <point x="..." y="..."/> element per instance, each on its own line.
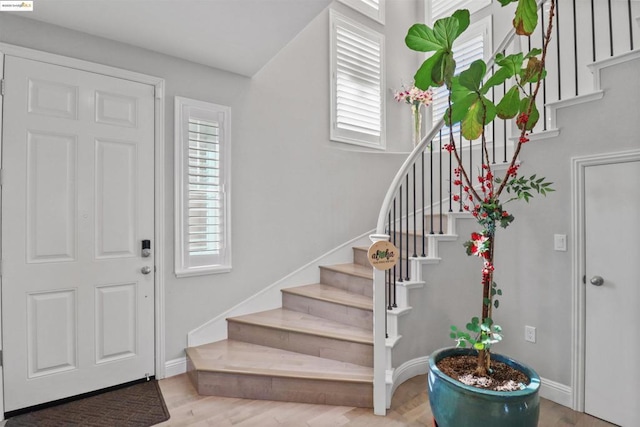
<point x="409" y="408"/>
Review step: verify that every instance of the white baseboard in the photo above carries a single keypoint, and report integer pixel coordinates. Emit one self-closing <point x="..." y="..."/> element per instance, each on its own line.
<point x="175" y="367"/>
<point x="404" y="372"/>
<point x="556" y="392"/>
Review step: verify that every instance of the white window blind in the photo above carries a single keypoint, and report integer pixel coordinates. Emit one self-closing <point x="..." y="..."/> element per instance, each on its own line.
<point x="356" y="84"/>
<point x="202" y="188"/>
<point x="443" y="8"/>
<point x="474" y="44"/>
<point x="374" y="9"/>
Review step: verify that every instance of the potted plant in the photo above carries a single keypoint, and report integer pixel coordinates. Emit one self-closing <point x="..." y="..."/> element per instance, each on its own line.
<point x="468" y="400"/>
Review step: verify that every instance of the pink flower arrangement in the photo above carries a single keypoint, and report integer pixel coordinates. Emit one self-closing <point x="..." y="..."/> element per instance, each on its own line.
<point x="414" y="96"/>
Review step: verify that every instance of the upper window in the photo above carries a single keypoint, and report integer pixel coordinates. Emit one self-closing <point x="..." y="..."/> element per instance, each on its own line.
<point x="202" y="184"/>
<point x="374" y="9"/>
<point x="442" y="8"/>
<point x="357" y="104"/>
<point x="473" y="44"/>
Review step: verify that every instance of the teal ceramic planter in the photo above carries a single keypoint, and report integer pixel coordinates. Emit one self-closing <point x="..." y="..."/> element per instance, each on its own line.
<point x="458" y="405"/>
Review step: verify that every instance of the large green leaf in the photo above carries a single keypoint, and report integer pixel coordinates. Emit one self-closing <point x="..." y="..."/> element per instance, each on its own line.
<point x="449" y="28"/>
<point x="464" y="18"/>
<point x="534" y="115"/>
<point x="460" y="109"/>
<point x="533" y="52"/>
<point x="421" y="38"/>
<point x="440" y="67"/>
<point x="496" y="79"/>
<point x="526" y="18"/>
<point x="509" y="105"/>
<point x="423" y="77"/>
<point x="506" y="2"/>
<point x="472" y="122"/>
<point x="513" y="62"/>
<point x="471" y="78"/>
<point x="445" y="29"/>
<point x="472" y="125"/>
<point x="490" y="108"/>
<point x="458" y="91"/>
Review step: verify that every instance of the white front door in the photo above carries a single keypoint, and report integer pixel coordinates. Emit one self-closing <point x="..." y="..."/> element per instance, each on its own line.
<point x="612" y="233"/>
<point x="77" y="200"/>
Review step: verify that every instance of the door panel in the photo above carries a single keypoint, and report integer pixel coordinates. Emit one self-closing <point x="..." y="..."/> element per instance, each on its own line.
<point x="51" y="171"/>
<point x="52" y="346"/>
<point x="116" y="195"/>
<point x="77" y="198"/>
<point x="116" y="334"/>
<point x="612" y="231"/>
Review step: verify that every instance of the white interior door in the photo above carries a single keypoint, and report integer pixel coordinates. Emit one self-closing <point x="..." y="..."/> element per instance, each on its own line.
<point x="77" y="200"/>
<point x="612" y="232"/>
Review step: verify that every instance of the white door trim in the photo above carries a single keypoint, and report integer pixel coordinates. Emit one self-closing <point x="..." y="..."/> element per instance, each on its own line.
<point x="1" y="367"/>
<point x="158" y="83"/>
<point x="578" y="300"/>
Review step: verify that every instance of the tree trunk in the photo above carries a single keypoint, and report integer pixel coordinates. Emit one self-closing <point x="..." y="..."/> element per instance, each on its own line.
<point x="484" y="356"/>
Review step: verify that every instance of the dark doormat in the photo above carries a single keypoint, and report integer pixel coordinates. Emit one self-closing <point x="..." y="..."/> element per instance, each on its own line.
<point x="139" y="405"/>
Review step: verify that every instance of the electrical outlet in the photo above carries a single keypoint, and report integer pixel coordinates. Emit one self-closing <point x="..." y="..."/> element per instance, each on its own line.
<point x="530" y="333"/>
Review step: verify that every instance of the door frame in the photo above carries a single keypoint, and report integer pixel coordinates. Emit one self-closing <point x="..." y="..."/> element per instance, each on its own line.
<point x="159" y="179"/>
<point x="578" y="270"/>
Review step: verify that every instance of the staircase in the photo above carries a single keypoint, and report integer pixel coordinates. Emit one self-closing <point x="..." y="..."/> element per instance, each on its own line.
<point x="317" y="348"/>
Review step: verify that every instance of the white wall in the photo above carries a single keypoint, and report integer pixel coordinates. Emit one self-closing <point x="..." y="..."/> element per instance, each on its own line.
<point x="296" y="195"/>
<point x="539" y="276"/>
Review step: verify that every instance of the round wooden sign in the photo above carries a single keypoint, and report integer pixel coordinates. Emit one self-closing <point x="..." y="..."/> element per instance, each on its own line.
<point x="383" y="255"/>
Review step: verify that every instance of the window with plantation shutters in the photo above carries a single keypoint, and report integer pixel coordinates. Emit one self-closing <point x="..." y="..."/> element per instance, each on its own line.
<point x="357" y="102"/>
<point x="374" y="9"/>
<point x="443" y="8"/>
<point x="473" y="44"/>
<point x="202" y="139"/>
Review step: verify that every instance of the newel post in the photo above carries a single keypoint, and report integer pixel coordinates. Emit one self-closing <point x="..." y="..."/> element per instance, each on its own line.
<point x="379" y="335"/>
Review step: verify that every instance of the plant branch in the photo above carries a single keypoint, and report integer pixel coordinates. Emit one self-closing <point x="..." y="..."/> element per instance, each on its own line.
<point x="452" y="144"/>
<point x="523" y="132"/>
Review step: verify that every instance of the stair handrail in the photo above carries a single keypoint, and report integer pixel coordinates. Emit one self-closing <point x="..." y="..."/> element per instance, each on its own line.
<point x="421" y="147"/>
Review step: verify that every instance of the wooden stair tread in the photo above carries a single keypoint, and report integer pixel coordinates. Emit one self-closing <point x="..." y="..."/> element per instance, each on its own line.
<point x="351" y="269"/>
<point x="294" y="321"/>
<point x="237" y="357"/>
<point x="332" y="294"/>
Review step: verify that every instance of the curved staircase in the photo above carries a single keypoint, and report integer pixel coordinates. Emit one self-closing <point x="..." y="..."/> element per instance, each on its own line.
<point x="317" y="348"/>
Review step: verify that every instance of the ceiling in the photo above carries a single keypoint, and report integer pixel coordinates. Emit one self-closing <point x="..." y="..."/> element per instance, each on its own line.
<point x="239" y="36"/>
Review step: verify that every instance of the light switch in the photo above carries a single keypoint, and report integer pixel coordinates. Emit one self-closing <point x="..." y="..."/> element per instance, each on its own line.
<point x="560" y="242"/>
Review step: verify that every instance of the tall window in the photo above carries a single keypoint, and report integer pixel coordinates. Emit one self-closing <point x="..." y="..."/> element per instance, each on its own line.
<point x="202" y="184"/>
<point x="357" y="76"/>
<point x="473" y="44"/>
